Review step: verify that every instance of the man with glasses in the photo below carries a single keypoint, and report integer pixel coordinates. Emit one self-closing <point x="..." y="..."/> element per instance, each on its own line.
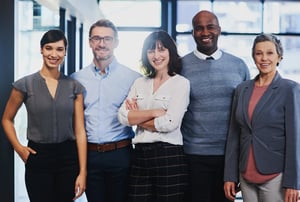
<point x="106" y="83"/>
<point x="213" y="76"/>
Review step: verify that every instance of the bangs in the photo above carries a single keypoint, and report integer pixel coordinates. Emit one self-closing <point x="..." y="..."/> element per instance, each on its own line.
<point x="155" y="44"/>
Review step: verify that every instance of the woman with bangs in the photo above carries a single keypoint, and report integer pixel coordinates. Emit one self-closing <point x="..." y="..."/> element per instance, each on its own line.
<point x="156" y="104"/>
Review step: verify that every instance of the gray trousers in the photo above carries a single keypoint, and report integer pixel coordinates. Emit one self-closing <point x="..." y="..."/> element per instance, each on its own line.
<point x="271" y="191"/>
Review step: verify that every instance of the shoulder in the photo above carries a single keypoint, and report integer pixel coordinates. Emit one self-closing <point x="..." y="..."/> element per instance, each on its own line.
<point x="236" y="62"/>
<point x="142" y="80"/>
<point x="180" y="83"/>
<point x="28" y="78"/>
<point x="84" y="72"/>
<point x="31" y="76"/>
<point x="289" y="84"/>
<point x="70" y="84"/>
<point x="231" y="57"/>
<point x="181" y="79"/>
<point x="128" y="71"/>
<point x="70" y="79"/>
<point x="186" y="58"/>
<point x="26" y="82"/>
<point x="245" y="84"/>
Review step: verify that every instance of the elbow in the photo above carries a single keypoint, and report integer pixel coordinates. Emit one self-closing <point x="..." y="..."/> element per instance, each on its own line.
<point x="123" y="119"/>
<point x="168" y="126"/>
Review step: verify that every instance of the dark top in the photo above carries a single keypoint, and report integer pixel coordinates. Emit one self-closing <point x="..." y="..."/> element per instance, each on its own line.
<point x="50" y="120"/>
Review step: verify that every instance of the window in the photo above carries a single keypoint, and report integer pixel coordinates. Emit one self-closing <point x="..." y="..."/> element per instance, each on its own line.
<point x="240" y="22"/>
<point x="135" y="19"/>
<point x="132" y="13"/>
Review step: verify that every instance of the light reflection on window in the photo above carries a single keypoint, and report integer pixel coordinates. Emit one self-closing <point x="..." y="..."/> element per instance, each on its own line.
<point x="129" y="50"/>
<point x="239" y="16"/>
<point x="132" y="13"/>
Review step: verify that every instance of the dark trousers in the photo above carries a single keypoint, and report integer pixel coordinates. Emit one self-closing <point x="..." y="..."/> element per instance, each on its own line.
<point x="158" y="174"/>
<point x="107" y="179"/>
<point x="51" y="173"/>
<point x="205" y="179"/>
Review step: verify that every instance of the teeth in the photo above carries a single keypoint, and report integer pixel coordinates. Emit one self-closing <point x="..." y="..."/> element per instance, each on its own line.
<point x="157" y="63"/>
<point x="206" y="39"/>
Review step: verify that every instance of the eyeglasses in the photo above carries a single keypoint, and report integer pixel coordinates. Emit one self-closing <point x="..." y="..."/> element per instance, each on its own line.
<point x="98" y="39"/>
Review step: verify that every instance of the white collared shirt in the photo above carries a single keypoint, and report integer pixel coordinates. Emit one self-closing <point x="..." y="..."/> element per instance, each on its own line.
<point x="216" y="55"/>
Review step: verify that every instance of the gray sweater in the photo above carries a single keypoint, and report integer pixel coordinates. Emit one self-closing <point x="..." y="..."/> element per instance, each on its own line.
<point x="205" y="124"/>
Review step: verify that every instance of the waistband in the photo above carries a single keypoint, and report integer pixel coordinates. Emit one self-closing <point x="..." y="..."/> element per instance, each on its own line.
<point x="153" y="145"/>
<point x="108" y="146"/>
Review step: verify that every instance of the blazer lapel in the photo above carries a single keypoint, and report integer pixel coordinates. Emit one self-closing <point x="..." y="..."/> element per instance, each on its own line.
<point x="246" y="99"/>
<point x="266" y="97"/>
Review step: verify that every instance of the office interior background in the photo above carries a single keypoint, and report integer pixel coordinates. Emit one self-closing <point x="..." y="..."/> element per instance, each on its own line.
<point x="24" y="21"/>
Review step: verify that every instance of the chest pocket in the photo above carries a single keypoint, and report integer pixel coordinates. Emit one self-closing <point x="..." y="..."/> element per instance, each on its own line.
<point x="162" y="101"/>
<point x="140" y="99"/>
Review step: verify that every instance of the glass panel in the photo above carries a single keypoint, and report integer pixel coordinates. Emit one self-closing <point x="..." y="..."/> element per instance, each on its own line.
<point x="132" y="13"/>
<point x="239" y="16"/>
<point x="130" y="48"/>
<point x="185" y="44"/>
<point x="282" y="16"/>
<point x="288" y="67"/>
<point x="186" y="11"/>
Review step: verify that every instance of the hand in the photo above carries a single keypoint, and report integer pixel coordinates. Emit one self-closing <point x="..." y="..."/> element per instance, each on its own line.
<point x="229" y="189"/>
<point x="80" y="186"/>
<point x="159" y="112"/>
<point x="24" y="153"/>
<point x="131" y="104"/>
<point x="291" y="195"/>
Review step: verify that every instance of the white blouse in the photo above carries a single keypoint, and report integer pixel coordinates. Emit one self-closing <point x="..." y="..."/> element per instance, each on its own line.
<point x="172" y="95"/>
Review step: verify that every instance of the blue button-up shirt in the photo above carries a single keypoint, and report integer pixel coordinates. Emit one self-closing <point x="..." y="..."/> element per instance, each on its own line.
<point x="103" y="97"/>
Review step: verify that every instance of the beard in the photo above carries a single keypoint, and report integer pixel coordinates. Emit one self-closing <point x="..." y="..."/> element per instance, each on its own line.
<point x="102" y="57"/>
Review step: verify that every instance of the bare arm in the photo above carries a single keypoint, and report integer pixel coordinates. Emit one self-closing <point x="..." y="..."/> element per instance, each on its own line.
<point x="81" y="141"/>
<point x="12" y="106"/>
<point x="148" y="125"/>
<point x="143" y="118"/>
<point x="136" y="117"/>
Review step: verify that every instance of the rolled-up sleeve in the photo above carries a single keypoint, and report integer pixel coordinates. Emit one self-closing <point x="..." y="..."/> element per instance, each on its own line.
<point x="123" y="112"/>
<point x="176" y="109"/>
<point x="123" y="115"/>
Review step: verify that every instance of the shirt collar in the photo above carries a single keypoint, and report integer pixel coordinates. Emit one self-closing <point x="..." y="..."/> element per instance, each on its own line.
<point x="98" y="72"/>
<point x="108" y="69"/>
<point x="216" y="55"/>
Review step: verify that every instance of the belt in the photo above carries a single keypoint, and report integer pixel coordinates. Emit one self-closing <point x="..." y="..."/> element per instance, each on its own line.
<point x="108" y="146"/>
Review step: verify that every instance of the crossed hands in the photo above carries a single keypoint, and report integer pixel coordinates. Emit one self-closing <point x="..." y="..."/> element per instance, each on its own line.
<point x="131" y="104"/>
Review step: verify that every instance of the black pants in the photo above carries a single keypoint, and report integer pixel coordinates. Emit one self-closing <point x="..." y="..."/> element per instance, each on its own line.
<point x="205" y="179"/>
<point x="50" y="174"/>
<point x="107" y="179"/>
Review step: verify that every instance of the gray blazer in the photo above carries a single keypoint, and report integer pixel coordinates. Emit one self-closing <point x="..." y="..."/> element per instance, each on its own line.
<point x="274" y="132"/>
